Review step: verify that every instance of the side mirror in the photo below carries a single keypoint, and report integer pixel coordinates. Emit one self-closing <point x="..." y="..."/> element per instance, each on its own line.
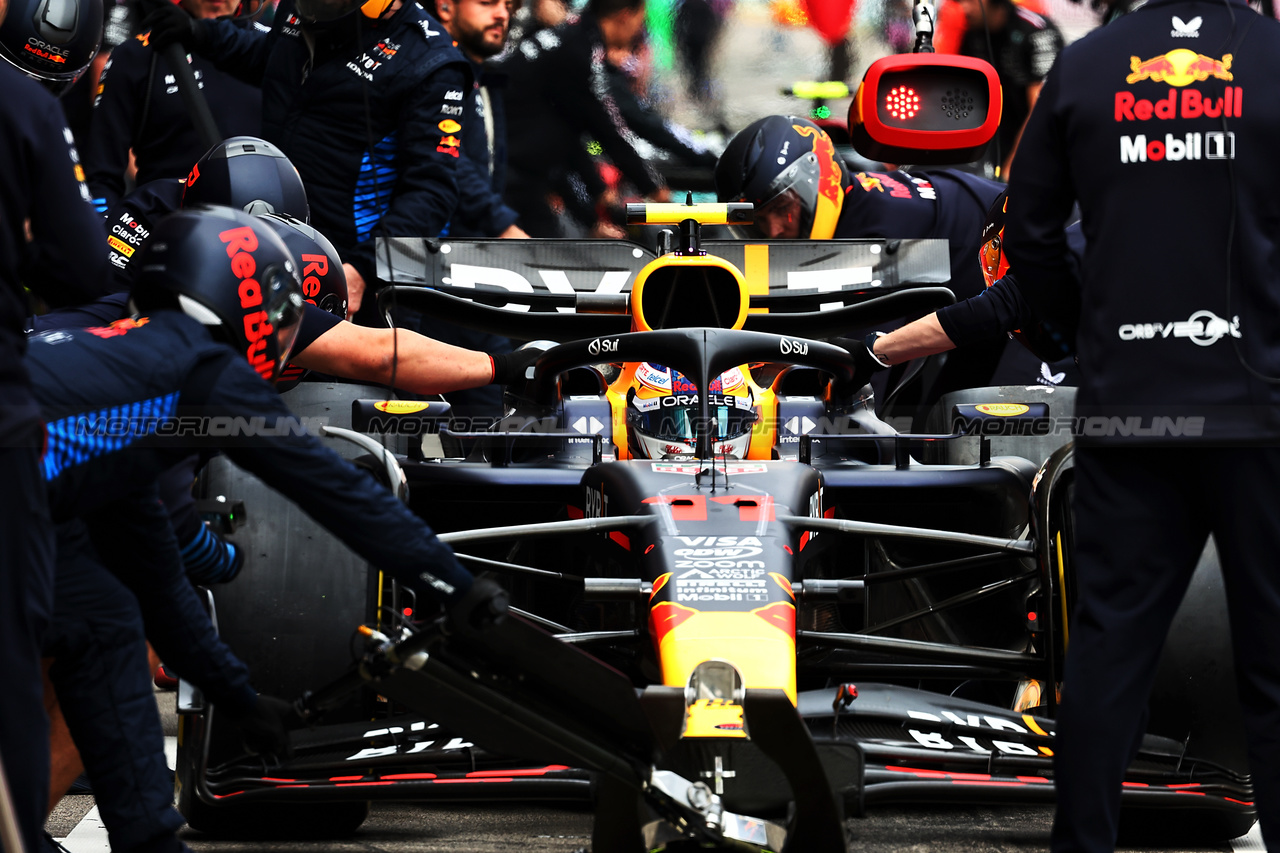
<point x="925" y="108"/>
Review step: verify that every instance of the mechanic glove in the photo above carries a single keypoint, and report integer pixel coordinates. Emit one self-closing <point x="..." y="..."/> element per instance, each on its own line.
<point x="481" y="607"/>
<point x="866" y="363"/>
<point x="171" y="24"/>
<point x="265" y="727"/>
<point x="510" y="368"/>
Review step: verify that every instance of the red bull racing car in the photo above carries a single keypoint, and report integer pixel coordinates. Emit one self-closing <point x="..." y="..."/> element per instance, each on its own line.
<point x="744" y="607"/>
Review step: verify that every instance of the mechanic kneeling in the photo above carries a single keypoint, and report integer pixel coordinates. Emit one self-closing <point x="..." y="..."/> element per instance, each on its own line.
<point x="219" y="289"/>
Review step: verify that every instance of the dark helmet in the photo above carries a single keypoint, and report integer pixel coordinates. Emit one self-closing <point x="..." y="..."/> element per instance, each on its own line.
<point x="788" y="168"/>
<point x="250" y="174"/>
<point x="324" y="283"/>
<point x="231" y="272"/>
<point x="52" y="41"/>
<point x="1043" y="344"/>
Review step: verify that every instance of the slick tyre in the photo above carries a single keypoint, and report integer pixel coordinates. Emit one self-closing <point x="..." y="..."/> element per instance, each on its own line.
<point x="289" y="616"/>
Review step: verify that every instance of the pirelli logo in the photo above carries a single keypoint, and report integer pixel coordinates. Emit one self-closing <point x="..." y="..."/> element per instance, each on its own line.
<point x="120" y="246"/>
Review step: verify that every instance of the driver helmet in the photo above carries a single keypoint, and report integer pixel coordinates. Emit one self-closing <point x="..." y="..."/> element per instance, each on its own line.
<point x="229" y="271"/>
<point x="995" y="266"/>
<point x="789" y="169"/>
<point x="663" y="411"/>
<point x="250" y="174"/>
<point x="52" y="41"/>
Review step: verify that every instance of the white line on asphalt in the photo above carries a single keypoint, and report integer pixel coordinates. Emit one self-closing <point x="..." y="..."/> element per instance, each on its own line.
<point x="1250" y="842"/>
<point x="89" y="835"/>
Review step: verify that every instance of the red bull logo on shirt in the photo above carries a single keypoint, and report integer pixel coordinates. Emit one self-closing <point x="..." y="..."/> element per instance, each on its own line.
<point x="1191" y="104"/>
<point x="1179" y="67"/>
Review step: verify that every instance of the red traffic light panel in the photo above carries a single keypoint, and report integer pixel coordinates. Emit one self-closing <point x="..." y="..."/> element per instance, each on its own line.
<point x="925" y="108"/>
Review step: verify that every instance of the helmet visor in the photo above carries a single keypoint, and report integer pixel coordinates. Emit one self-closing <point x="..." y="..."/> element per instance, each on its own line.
<point x="787" y="213"/>
<point x="284" y="311"/>
<point x="674" y="421"/>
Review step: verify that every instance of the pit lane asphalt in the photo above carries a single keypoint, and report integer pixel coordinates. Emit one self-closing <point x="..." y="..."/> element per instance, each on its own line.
<point x="468" y="828"/>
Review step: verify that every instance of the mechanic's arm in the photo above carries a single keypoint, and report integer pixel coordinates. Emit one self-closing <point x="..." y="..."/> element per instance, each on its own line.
<point x="100" y="312"/>
<point x="1041" y="196"/>
<point x="240" y="51"/>
<point x="136" y="542"/>
<point x="650" y="126"/>
<point x="422" y="365"/>
<point x="115" y="117"/>
<point x="999" y="309"/>
<point x="66" y="263"/>
<point x="479" y="206"/>
<point x="425" y="195"/>
<point x="338" y="495"/>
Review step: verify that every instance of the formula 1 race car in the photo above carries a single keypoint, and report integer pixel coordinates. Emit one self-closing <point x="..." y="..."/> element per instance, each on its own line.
<point x="743" y="606"/>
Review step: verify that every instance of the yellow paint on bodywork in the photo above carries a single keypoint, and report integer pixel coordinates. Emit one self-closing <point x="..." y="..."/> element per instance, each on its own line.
<point x="761" y="651"/>
<point x="713" y="718"/>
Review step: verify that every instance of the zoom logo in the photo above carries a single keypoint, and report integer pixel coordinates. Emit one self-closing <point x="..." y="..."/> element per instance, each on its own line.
<point x="602" y="346"/>
<point x="790" y="347"/>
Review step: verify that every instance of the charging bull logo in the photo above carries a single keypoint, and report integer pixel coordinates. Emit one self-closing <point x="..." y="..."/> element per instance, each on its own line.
<point x="829" y="183"/>
<point x="241" y="243"/>
<point x="1179" y="67"/>
<point x="830" y="193"/>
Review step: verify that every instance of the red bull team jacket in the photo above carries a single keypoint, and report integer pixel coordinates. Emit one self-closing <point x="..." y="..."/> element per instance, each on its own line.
<point x="1162" y="127"/>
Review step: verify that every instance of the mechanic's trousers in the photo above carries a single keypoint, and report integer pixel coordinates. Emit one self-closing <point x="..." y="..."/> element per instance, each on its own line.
<point x="103" y="684"/>
<point x="1142" y="518"/>
<point x="26" y="602"/>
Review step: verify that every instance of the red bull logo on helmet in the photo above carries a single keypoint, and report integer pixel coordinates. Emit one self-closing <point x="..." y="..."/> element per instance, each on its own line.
<point x="1179" y="67"/>
<point x="241" y="244"/>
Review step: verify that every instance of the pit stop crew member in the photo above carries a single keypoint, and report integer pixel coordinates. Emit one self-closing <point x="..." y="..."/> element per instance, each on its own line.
<point x="1171" y="108"/>
<point x="118" y="566"/>
<point x="138" y="108"/>
<point x="788" y="167"/>
<point x="59" y="258"/>
<point x="480" y="28"/>
<point x="382" y="77"/>
<point x="222" y="303"/>
<point x="244" y="172"/>
<point x="559" y="91"/>
<point x="253" y="174"/>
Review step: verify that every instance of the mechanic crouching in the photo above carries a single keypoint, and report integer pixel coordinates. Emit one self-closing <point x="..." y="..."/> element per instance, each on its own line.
<point x="221" y="303"/>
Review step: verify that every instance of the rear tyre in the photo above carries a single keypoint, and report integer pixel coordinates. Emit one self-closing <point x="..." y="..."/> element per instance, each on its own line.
<point x="289" y="616"/>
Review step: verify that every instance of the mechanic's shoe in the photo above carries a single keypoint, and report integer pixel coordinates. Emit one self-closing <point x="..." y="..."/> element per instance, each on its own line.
<point x="81" y="785"/>
<point x="165" y="679"/>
